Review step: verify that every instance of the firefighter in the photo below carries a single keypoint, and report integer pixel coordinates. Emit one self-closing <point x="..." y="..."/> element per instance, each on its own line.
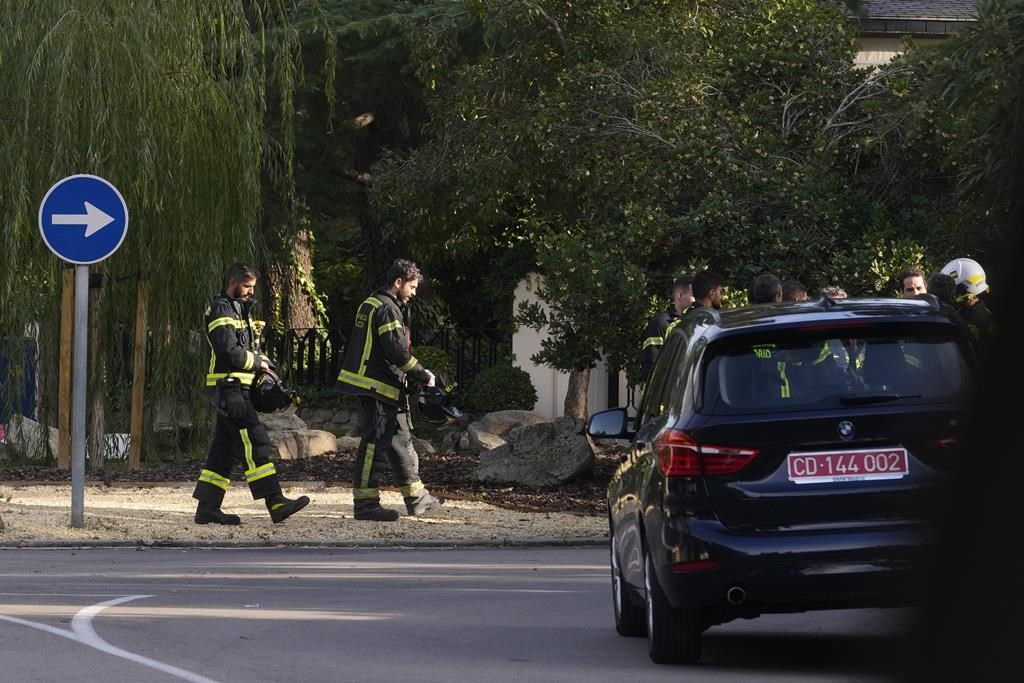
<point x="238" y="435"/>
<point x="378" y="364"/>
<point x="654" y="335"/>
<point x="969" y="277"/>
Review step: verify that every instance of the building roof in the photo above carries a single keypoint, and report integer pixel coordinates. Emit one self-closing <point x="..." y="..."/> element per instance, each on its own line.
<point x="916" y="17"/>
<point x="950" y="10"/>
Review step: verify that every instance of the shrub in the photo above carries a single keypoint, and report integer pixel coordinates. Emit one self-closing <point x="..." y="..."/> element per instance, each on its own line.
<point x="502" y="387"/>
<point x="435" y="359"/>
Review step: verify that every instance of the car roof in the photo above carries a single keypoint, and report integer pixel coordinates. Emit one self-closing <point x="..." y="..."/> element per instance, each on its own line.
<point x="758" y="317"/>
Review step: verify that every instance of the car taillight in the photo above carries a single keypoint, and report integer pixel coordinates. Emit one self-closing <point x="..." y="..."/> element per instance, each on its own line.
<point x="679" y="455"/>
<point x="948" y="443"/>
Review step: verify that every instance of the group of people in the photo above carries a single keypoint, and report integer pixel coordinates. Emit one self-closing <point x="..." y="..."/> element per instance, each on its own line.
<point x="959" y="287"/>
<point x="377" y="368"/>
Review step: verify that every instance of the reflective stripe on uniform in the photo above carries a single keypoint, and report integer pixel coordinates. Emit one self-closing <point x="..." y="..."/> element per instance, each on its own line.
<point x="412" y="490"/>
<point x="243" y="377"/>
<point x="234" y="322"/>
<point x="375" y="303"/>
<point x="364" y="476"/>
<point x="410" y="365"/>
<point x="364" y="382"/>
<point x="784" y="389"/>
<point x="250" y="360"/>
<point x="394" y="325"/>
<point x="247" y="449"/>
<point x="214" y="479"/>
<point x="365" y="494"/>
<point x="653" y="341"/>
<point x="260" y="472"/>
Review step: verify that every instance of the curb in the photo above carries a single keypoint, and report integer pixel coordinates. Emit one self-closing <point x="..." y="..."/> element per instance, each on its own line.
<point x="591" y="542"/>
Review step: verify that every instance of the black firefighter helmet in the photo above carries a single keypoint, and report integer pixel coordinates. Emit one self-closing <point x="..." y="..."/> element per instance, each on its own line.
<point x="269" y="394"/>
<point x="437" y="403"/>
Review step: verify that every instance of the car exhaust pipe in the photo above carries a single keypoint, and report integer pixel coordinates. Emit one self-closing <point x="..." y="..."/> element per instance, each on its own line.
<point x="736" y="595"/>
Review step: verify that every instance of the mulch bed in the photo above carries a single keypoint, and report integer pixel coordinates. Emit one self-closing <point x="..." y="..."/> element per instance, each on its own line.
<point x="447" y="474"/>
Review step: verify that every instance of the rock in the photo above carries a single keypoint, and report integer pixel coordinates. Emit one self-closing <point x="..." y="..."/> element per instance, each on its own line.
<point x="422" y="446"/>
<point x="2" y="527"/>
<point x="448" y="440"/>
<point x="481" y="440"/>
<point x="297" y="444"/>
<point x="535" y="455"/>
<point x="25" y="437"/>
<point x="282" y="421"/>
<point x="501" y="422"/>
<point x="489" y="431"/>
<point x="347" y="442"/>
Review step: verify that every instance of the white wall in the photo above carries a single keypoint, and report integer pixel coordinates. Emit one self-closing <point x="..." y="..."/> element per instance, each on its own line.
<point x="552" y="384"/>
<point x="881" y="50"/>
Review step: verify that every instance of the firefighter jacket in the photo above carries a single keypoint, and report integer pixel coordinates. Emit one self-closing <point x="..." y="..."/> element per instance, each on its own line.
<point x="233" y="348"/>
<point x="654" y="339"/>
<point x="379" y="355"/>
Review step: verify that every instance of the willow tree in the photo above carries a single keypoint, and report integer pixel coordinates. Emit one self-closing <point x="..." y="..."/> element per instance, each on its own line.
<point x="167" y="100"/>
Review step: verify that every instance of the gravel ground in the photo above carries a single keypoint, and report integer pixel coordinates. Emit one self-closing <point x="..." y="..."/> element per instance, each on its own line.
<point x="149" y="513"/>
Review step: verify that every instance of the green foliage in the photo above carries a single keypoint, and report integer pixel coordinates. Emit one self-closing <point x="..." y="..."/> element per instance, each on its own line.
<point x="627" y="143"/>
<point x="436" y="360"/>
<point x="167" y="100"/>
<point x="971" y="101"/>
<point x="501" y="387"/>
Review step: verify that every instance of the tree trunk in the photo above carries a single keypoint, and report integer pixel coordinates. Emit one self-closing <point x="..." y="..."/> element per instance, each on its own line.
<point x="576" y="393"/>
<point x="294" y="306"/>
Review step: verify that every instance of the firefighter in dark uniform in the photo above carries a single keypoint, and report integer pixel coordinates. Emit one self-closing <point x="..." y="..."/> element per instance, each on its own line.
<point x="657" y="328"/>
<point x="239" y="436"/>
<point x="378" y="362"/>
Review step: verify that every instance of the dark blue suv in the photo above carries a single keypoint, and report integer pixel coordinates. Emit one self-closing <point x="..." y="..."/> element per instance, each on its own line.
<point x="783" y="460"/>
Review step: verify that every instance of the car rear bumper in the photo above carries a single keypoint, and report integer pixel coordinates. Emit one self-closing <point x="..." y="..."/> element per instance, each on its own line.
<point x="790" y="571"/>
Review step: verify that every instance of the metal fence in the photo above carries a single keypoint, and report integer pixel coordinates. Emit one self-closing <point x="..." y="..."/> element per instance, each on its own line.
<point x="311" y="357"/>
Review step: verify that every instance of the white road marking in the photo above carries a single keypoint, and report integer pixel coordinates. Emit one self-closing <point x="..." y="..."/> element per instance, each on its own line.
<point x="83" y="632"/>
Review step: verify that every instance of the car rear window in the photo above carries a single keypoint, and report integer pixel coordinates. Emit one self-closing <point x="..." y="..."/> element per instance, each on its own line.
<point x="833" y="368"/>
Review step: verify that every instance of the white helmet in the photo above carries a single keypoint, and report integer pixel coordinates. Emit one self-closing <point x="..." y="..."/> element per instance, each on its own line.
<point x="968" y="274"/>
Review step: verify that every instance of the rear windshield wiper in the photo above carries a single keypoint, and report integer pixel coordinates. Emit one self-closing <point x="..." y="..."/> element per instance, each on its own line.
<point x="864" y="399"/>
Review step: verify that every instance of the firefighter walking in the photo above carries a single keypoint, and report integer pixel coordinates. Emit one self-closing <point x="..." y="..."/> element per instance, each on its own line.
<point x="238" y="436"/>
<point x="378" y="363"/>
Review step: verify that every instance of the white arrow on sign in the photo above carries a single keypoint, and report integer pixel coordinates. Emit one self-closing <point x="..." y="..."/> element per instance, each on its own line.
<point x="93" y="219"/>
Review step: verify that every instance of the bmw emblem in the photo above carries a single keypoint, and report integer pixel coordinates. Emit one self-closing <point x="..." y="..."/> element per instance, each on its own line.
<point x="845" y="430"/>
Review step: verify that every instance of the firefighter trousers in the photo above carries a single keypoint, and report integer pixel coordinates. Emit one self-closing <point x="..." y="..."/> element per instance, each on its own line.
<point x="243" y="440"/>
<point x="386" y="438"/>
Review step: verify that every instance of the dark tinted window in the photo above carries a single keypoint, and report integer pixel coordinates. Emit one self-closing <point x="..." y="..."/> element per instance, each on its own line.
<point x="658" y="392"/>
<point x="826" y="369"/>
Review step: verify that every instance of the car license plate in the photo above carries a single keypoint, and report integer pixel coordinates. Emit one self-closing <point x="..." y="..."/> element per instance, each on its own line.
<point x="839" y="466"/>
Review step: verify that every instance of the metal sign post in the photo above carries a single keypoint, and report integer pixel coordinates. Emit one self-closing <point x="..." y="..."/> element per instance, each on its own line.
<point x="83" y="219"/>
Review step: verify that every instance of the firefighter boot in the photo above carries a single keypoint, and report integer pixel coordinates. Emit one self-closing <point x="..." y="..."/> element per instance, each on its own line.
<point x="422" y="504"/>
<point x="282" y="508"/>
<point x="208" y="513"/>
<point x="372" y="511"/>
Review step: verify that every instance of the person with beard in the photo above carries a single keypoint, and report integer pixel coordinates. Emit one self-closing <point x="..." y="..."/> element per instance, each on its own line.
<point x="708" y="290"/>
<point x="238" y="435"/>
<point x="654" y="335"/>
<point x="377" y="367"/>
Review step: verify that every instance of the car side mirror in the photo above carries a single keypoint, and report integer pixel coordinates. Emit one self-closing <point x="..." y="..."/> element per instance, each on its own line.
<point x="609" y="424"/>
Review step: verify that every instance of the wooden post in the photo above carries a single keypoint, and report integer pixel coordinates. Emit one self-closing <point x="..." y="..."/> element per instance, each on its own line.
<point x="138" y="374"/>
<point x="67" y="332"/>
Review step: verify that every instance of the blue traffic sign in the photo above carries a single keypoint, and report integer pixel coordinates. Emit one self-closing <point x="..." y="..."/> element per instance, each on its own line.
<point x="83" y="219"/>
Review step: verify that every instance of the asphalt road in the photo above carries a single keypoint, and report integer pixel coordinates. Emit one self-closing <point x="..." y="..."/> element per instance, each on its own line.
<point x="291" y="614"/>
